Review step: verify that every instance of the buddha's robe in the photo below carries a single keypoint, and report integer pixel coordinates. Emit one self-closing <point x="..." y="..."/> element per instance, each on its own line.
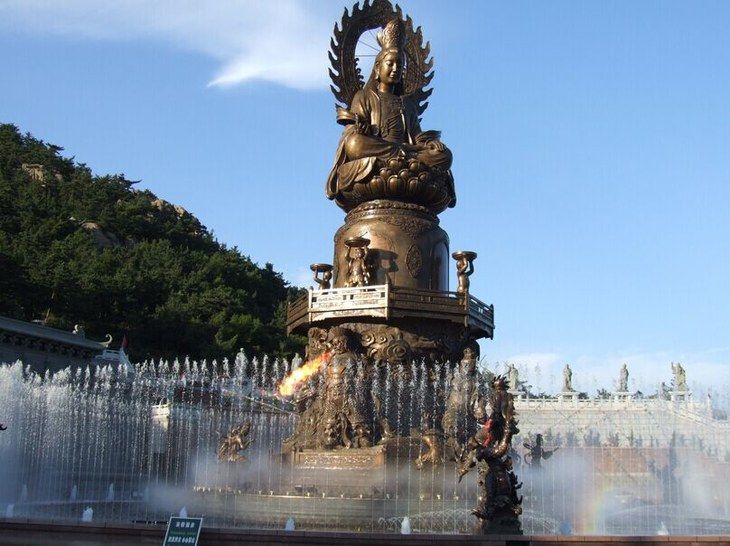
<point x="378" y="126"/>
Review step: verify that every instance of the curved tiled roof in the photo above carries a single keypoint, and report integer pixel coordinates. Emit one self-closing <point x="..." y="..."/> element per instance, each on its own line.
<point x="31" y="329"/>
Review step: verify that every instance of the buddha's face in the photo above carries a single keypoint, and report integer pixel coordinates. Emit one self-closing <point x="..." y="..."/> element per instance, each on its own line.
<point x="390" y="68"/>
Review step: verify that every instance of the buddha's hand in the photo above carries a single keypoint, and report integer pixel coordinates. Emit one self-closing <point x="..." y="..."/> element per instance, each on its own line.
<point x="432" y="147"/>
<point x="435" y="146"/>
<point x="429" y="142"/>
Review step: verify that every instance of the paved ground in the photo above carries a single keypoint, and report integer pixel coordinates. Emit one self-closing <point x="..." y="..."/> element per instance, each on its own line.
<point x="17" y="532"/>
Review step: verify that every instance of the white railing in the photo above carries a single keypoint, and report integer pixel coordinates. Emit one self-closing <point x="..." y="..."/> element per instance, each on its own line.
<point x="336" y="299"/>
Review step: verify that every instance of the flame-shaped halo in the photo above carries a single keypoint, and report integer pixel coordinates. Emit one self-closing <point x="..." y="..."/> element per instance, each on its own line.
<point x="345" y="72"/>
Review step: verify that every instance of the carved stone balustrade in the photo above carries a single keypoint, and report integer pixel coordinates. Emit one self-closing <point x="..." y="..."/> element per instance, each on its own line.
<point x="388" y="303"/>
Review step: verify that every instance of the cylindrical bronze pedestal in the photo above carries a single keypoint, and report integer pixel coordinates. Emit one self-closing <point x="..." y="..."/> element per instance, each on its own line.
<point x="407" y="247"/>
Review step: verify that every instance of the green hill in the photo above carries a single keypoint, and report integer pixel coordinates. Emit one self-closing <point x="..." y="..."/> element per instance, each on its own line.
<point x="82" y="249"/>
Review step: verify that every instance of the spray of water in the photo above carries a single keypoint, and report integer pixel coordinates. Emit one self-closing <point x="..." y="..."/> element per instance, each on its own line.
<point x="136" y="444"/>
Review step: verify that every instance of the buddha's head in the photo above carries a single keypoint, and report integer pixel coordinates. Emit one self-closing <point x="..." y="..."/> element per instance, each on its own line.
<point x="389" y="63"/>
<point x="388" y="67"/>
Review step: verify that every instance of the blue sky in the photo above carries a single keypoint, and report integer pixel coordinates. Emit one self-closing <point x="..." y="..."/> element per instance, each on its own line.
<point x="590" y="141"/>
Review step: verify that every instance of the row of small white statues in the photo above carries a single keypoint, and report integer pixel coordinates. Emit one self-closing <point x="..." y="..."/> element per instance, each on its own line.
<point x="680" y="378"/>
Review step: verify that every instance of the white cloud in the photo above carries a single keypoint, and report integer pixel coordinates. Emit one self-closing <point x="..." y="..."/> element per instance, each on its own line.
<point x="283" y="41"/>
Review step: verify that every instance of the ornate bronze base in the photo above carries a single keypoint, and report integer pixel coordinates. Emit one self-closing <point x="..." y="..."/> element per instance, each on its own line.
<point x="360" y="335"/>
<point x="400" y="341"/>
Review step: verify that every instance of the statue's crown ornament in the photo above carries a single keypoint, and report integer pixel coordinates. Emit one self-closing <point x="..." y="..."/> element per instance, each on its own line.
<point x="393" y="36"/>
<point x="395" y="30"/>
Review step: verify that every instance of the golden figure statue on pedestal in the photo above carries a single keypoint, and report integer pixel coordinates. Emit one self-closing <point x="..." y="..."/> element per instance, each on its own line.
<point x="385" y="316"/>
<point x="383" y="152"/>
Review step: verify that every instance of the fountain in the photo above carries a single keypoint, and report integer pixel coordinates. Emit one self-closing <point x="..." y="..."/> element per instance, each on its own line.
<point x="96" y="426"/>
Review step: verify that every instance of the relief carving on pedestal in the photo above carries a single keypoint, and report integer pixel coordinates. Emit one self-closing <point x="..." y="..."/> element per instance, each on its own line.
<point x="385" y="344"/>
<point x="414" y="261"/>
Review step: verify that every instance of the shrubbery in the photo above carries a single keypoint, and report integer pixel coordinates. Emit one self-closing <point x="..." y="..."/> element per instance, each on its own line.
<point x="78" y="248"/>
